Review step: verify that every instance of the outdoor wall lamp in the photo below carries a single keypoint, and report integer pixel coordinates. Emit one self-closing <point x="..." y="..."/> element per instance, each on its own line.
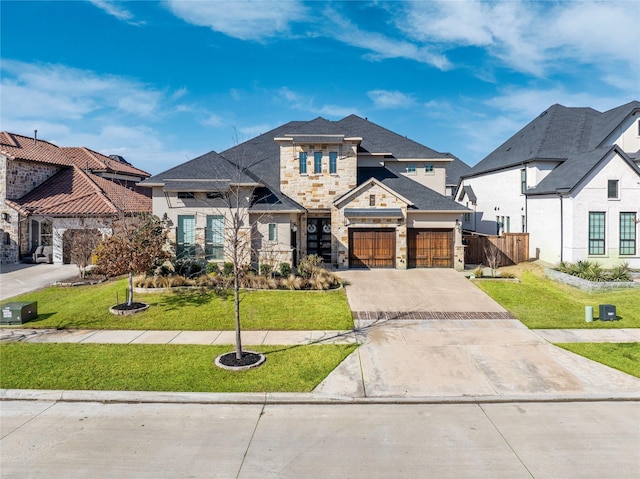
<point x="294" y="227"/>
<point x="5" y="217"/>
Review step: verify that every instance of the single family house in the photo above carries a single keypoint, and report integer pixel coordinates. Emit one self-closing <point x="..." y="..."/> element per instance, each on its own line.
<point x="350" y="191"/>
<point x="571" y="179"/>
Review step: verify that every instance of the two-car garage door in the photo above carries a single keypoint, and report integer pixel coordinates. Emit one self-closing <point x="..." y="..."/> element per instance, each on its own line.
<point x="376" y="248"/>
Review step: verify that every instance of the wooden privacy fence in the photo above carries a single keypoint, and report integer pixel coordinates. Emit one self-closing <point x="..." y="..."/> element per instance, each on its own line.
<point x="512" y="248"/>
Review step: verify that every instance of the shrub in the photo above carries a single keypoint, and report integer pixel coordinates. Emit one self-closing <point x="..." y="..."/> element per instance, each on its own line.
<point x="227" y="268"/>
<point x="265" y="269"/>
<point x="188" y="267"/>
<point x="620" y="273"/>
<point x="212" y="268"/>
<point x="285" y="269"/>
<point x="478" y="272"/>
<point x="309" y="265"/>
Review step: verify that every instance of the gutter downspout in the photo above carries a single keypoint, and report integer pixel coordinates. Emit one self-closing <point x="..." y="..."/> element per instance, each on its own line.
<point x="561" y="229"/>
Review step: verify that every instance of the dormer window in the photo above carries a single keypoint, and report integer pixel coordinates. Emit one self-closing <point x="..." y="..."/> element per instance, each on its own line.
<point x="612" y="189"/>
<point x="372" y="200"/>
<point x="428" y="169"/>
<point x="411" y="169"/>
<point x="186" y="195"/>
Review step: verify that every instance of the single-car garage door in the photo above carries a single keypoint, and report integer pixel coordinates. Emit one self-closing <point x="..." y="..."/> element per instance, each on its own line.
<point x="372" y="248"/>
<point x="430" y="248"/>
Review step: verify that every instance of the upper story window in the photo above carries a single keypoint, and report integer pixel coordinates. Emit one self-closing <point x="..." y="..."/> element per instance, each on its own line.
<point x="612" y="189"/>
<point x="372" y="200"/>
<point x="214" y="195"/>
<point x="317" y="162"/>
<point x="411" y="168"/>
<point x="333" y="163"/>
<point x="523" y="181"/>
<point x="186" y="195"/>
<point x="428" y="169"/>
<point x="303" y="163"/>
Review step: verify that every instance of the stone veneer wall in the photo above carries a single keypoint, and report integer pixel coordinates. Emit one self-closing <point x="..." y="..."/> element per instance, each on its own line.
<point x="340" y="225"/>
<point x="17" y="178"/>
<point x="317" y="191"/>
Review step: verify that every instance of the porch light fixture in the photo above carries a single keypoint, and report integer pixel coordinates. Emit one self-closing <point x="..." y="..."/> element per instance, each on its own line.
<point x="294" y="227"/>
<point x="5" y="217"/>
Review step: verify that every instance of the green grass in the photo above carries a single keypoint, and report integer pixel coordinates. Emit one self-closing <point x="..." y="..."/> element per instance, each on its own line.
<point x="622" y="356"/>
<point x="541" y="303"/>
<point x="117" y="367"/>
<point x="87" y="307"/>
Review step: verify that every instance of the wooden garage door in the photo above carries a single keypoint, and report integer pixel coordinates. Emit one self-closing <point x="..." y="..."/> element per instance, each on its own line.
<point x="372" y="248"/>
<point x="430" y="248"/>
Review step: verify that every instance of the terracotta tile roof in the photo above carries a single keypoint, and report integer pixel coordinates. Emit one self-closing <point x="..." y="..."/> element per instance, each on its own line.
<point x="92" y="160"/>
<point x="74" y="192"/>
<point x="18" y="147"/>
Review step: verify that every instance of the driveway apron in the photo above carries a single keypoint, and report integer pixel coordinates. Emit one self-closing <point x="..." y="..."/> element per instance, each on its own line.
<point x="480" y="357"/>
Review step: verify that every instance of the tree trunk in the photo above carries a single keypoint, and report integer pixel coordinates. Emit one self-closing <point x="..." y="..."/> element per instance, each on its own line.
<point x="236" y="300"/>
<point x="130" y="292"/>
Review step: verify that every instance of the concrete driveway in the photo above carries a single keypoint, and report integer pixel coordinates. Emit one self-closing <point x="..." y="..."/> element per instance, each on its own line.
<point x="18" y="279"/>
<point x="415" y="290"/>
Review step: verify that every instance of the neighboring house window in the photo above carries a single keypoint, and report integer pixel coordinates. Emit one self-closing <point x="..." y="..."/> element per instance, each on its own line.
<point x="507" y="227"/>
<point x="372" y="200"/>
<point x="186" y="236"/>
<point x="466" y="217"/>
<point x="273" y="232"/>
<point x="45" y="234"/>
<point x="499" y="224"/>
<point x="612" y="189"/>
<point x="411" y="168"/>
<point x="523" y="181"/>
<point x="214" y="195"/>
<point x="317" y="162"/>
<point x="186" y="195"/>
<point x="428" y="168"/>
<point x="214" y="237"/>
<point x="596" y="232"/>
<point x="524" y="224"/>
<point x="333" y="163"/>
<point x="628" y="233"/>
<point x="303" y="163"/>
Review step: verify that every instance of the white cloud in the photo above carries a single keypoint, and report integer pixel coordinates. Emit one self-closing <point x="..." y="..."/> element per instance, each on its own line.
<point x="213" y="120"/>
<point x="386" y="99"/>
<point x="530" y="37"/>
<point x="298" y="101"/>
<point x="116" y="10"/>
<point x="246" y="19"/>
<point x="379" y="45"/>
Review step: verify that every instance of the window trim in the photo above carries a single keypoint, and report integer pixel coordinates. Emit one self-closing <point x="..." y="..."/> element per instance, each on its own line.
<point x="596" y="245"/>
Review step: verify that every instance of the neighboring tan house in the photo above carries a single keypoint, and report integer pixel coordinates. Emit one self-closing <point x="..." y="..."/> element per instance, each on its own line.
<point x="570" y="178"/>
<point x="50" y="193"/>
<point x="350" y="191"/>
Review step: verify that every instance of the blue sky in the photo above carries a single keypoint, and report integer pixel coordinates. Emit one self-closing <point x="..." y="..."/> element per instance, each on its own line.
<point x="163" y="82"/>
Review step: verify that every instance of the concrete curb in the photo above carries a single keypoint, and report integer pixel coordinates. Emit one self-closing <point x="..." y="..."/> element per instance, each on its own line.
<point x="145" y="397"/>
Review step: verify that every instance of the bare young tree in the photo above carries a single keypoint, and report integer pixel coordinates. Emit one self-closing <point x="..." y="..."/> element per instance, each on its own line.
<point x="83" y="244"/>
<point x="493" y="255"/>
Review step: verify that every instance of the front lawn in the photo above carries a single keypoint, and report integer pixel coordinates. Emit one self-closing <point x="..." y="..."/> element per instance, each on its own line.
<point x="163" y="367"/>
<point x="541" y="303"/>
<point x="622" y="356"/>
<point x="87" y="307"/>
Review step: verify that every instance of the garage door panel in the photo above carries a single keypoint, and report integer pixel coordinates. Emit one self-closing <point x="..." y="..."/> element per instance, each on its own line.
<point x="372" y="248"/>
<point x="430" y="248"/>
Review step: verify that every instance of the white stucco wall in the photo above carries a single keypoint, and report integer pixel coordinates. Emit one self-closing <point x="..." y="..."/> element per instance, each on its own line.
<point x="498" y="195"/>
<point x="627" y="135"/>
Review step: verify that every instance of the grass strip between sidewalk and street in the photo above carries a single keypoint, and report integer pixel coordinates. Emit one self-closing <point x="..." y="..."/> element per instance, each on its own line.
<point x="541" y="303"/>
<point x="87" y="307"/>
<point x="163" y="367"/>
<point x="624" y="357"/>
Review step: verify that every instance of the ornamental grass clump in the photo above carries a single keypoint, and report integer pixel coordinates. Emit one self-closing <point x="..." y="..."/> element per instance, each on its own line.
<point x="593" y="271"/>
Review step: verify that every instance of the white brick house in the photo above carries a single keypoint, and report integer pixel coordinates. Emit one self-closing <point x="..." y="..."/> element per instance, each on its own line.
<point x="570" y="178"/>
<point x="350" y="191"/>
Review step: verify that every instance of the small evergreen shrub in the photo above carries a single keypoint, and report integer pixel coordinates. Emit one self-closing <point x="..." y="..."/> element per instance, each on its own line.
<point x="285" y="269"/>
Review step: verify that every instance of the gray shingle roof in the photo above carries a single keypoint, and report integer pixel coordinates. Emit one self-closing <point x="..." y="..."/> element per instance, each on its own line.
<point x="423" y="198"/>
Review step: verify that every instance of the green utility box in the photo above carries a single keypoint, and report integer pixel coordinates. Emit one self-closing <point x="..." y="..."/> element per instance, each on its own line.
<point x="18" y="313"/>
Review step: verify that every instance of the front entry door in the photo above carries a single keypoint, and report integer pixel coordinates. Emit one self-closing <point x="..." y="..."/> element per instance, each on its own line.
<point x="319" y="238"/>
